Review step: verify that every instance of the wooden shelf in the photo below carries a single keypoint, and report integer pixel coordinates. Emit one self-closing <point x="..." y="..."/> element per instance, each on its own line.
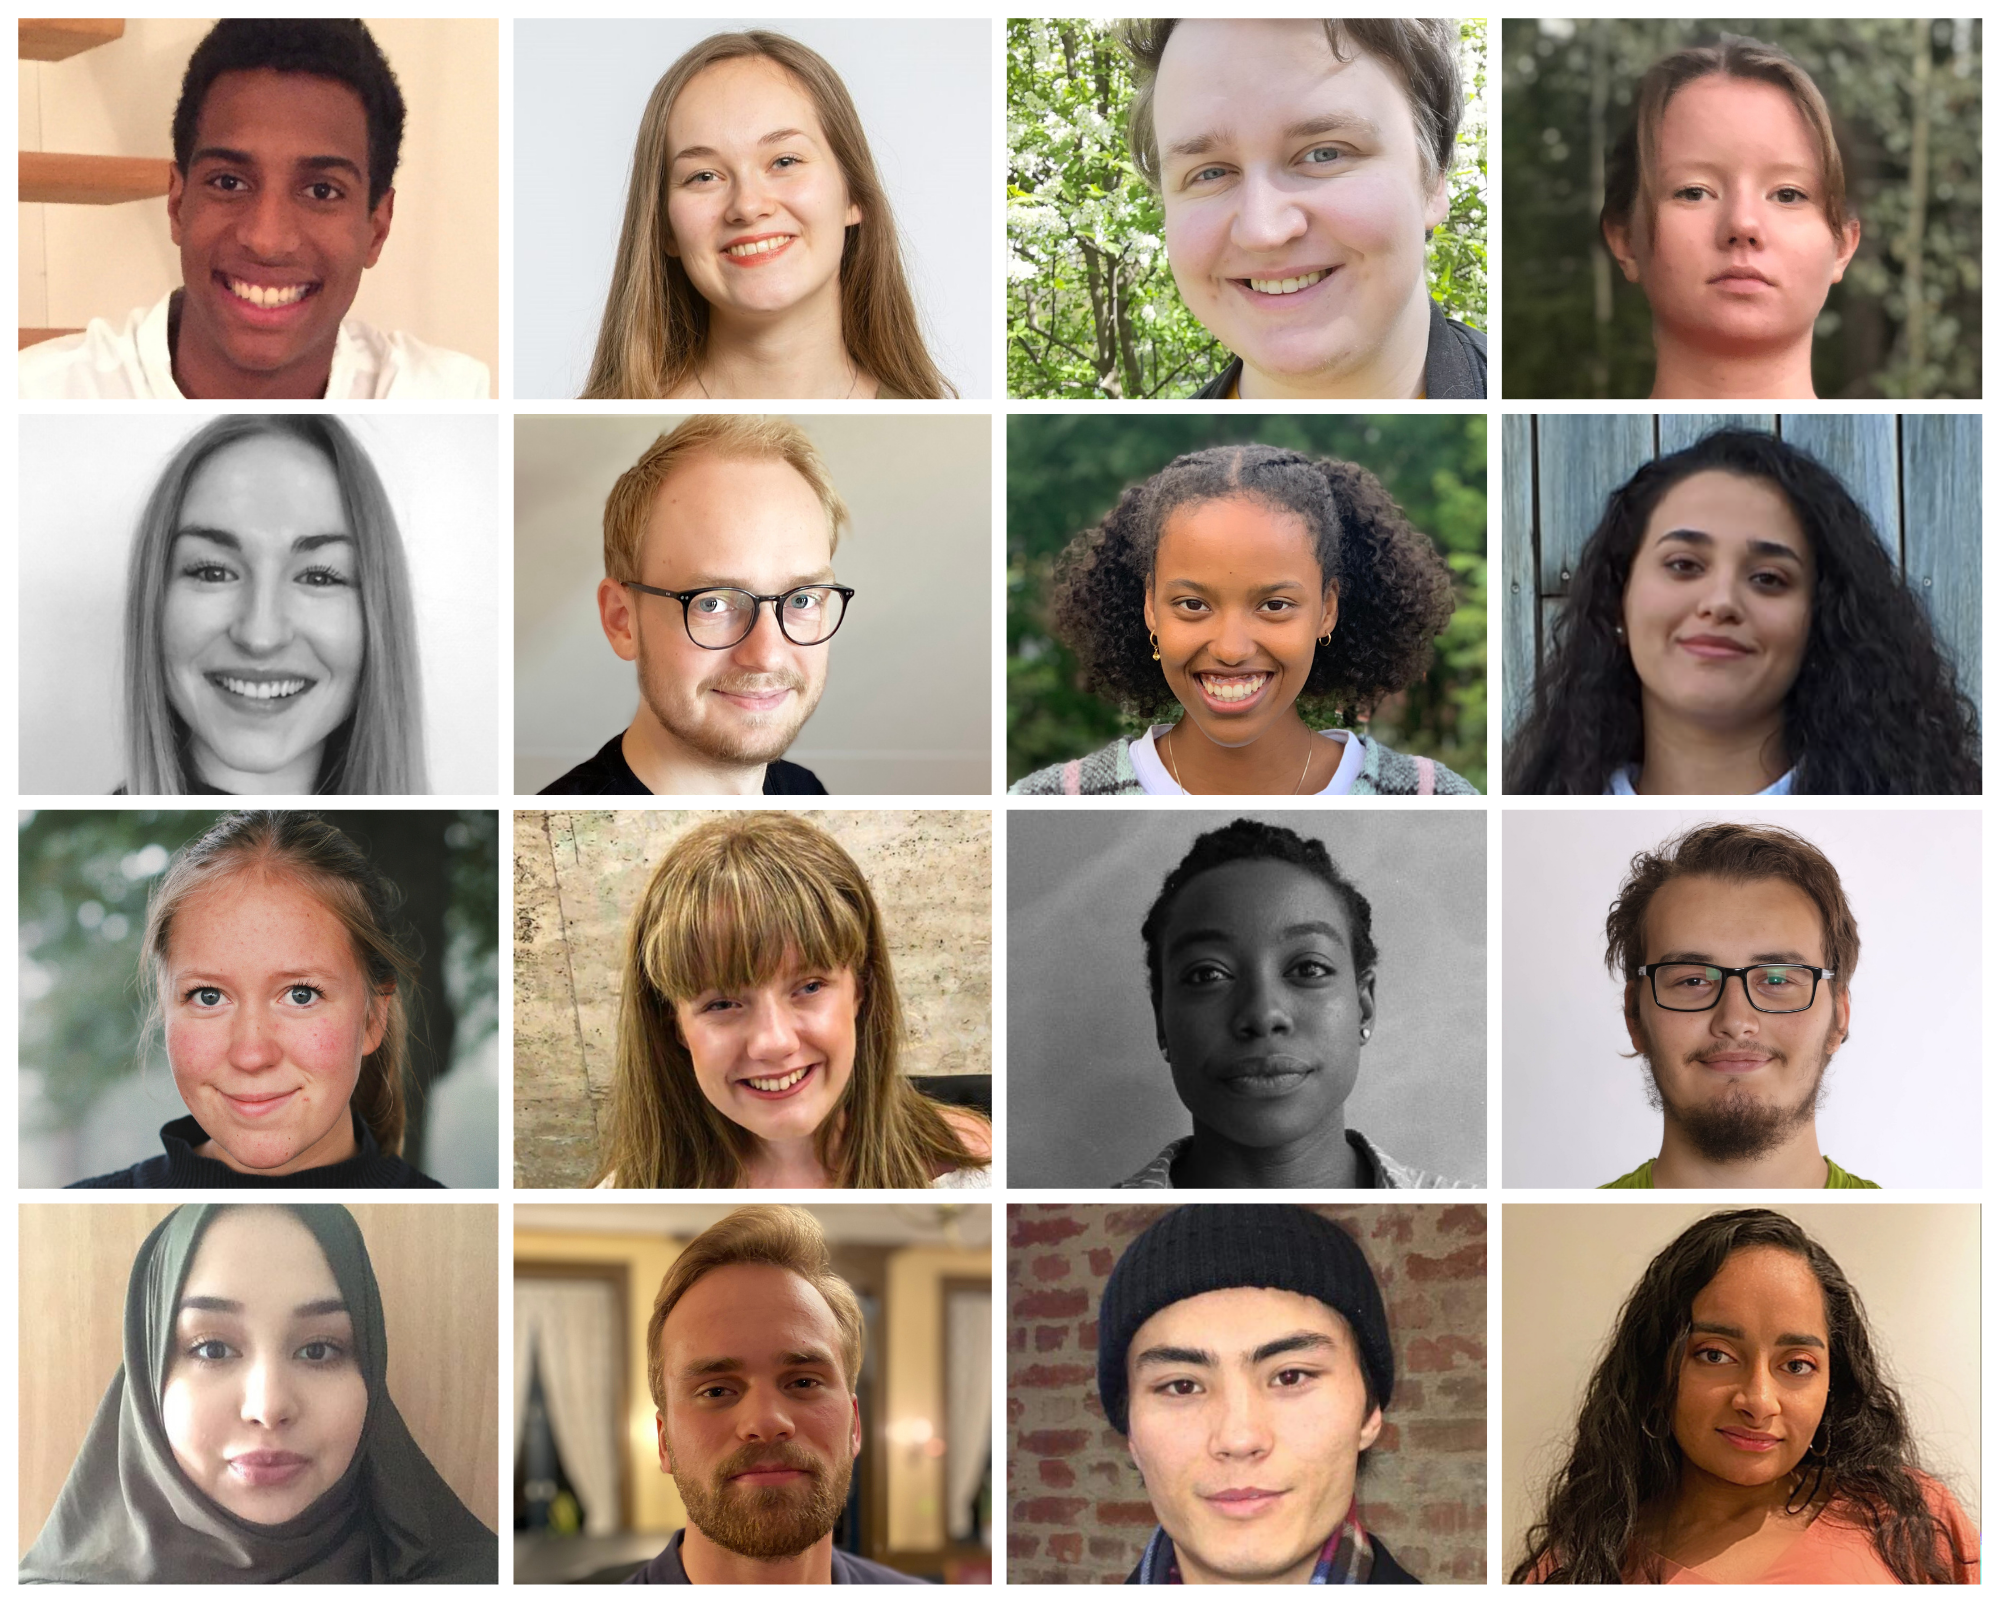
<point x="37" y="335"/>
<point x="91" y="180"/>
<point x="59" y="38"/>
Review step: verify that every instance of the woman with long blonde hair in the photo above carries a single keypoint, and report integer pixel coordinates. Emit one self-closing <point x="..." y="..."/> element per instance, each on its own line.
<point x="758" y="258"/>
<point x="760" y="1034"/>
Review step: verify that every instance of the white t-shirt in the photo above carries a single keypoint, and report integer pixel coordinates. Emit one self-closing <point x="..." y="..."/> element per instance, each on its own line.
<point x="1155" y="779"/>
<point x="1621" y="783"/>
<point x="134" y="363"/>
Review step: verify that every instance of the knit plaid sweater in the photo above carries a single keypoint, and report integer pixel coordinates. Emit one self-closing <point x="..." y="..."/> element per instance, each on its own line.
<point x="1110" y="771"/>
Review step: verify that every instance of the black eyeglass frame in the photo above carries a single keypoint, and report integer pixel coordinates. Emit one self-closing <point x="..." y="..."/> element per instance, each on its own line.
<point x="1652" y="974"/>
<point x="777" y="609"/>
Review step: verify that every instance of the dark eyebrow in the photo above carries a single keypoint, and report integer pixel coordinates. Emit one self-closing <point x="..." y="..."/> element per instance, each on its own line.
<point x="1723" y="1330"/>
<point x="1290" y="1345"/>
<point x="1267" y="588"/>
<point x="312" y="1308"/>
<point x="1218" y="936"/>
<point x="1173" y="1355"/>
<point x="243" y="158"/>
<point x="1758" y="547"/>
<point x="229" y="541"/>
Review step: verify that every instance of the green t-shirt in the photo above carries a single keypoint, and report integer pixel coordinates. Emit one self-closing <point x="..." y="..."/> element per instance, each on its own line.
<point x="1641" y="1177"/>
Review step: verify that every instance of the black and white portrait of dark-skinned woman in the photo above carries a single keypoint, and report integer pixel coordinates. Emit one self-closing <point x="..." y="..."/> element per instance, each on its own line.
<point x="1284" y="1035"/>
<point x="1742" y="1416"/>
<point x="758" y="258"/>
<point x="1737" y="623"/>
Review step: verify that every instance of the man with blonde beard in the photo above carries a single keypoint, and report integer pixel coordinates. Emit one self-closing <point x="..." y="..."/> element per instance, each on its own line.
<point x="753" y="1353"/>
<point x="718" y="582"/>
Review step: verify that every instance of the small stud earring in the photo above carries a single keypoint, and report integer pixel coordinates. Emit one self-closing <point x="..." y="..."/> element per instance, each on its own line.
<point x="1156" y="645"/>
<point x="1364" y="1035"/>
<point x="1618" y="629"/>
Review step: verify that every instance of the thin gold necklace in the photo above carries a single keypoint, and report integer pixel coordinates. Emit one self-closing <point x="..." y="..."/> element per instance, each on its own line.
<point x="1184" y="789"/>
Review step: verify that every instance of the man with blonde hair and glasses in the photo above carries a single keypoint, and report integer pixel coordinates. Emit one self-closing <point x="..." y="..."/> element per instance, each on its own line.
<point x="718" y="582"/>
<point x="753" y="1354"/>
<point x="1737" y="947"/>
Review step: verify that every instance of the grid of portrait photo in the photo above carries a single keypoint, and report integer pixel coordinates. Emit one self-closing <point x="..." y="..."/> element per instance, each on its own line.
<point x="835" y="641"/>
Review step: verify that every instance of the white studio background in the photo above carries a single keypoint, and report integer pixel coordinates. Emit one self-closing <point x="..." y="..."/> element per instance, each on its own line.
<point x="924" y="90"/>
<point x="1903" y="1094"/>
<point x="1090" y="1099"/>
<point x="908" y="697"/>
<point x="1570" y="1267"/>
<point x="84" y="480"/>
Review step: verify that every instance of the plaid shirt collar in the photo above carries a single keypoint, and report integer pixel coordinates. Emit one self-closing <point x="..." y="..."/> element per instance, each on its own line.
<point x="1346" y="1557"/>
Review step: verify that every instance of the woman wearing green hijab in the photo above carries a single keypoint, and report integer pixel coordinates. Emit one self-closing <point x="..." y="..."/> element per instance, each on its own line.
<point x="250" y="1436"/>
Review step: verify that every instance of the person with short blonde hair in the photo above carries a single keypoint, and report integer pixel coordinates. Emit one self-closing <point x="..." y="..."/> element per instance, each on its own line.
<point x="718" y="583"/>
<point x="753" y="1356"/>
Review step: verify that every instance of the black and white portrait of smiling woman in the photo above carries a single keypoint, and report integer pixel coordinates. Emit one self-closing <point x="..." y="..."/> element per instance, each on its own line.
<point x="308" y="607"/>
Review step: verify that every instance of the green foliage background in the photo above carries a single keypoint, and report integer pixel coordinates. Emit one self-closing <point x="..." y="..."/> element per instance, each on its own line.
<point x="1573" y="328"/>
<point x="85" y="877"/>
<point x="1064" y="473"/>
<point x="1092" y="310"/>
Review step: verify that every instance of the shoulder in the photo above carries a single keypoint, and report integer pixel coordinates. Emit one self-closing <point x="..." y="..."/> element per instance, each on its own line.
<point x="1105" y="771"/>
<point x="788" y="777"/>
<point x="100" y="363"/>
<point x="1386" y="771"/>
<point x="128" y="1179"/>
<point x="604" y="773"/>
<point x="973" y="1130"/>
<point x="1218" y="387"/>
<point x="1398" y="1175"/>
<point x="410" y="1178"/>
<point x="397" y="366"/>
<point x="1159" y="1172"/>
<point x="857" y="1569"/>
<point x="1455" y="364"/>
<point x="1838" y="1177"/>
<point x="1386" y="1568"/>
<point x="1640" y="1177"/>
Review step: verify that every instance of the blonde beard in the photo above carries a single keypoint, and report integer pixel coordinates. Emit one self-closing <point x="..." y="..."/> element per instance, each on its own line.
<point x="672" y="708"/>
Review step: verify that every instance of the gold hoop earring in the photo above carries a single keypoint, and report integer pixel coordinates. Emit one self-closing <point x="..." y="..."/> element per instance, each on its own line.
<point x="1156" y="645"/>
<point x="1327" y="637"/>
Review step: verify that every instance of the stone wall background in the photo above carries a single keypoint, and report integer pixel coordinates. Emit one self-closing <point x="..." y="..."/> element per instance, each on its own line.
<point x="577" y="875"/>
<point x="1076" y="1511"/>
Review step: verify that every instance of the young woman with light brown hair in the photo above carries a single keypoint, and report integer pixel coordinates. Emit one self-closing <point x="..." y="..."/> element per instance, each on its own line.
<point x="758" y="258"/>
<point x="760" y="1034"/>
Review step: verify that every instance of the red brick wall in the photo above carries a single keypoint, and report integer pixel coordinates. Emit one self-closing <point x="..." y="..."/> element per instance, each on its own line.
<point x="1076" y="1511"/>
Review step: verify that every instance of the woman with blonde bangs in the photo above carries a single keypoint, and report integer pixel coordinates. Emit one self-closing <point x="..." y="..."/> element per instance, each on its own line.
<point x="758" y="257"/>
<point x="760" y="1033"/>
<point x="270" y="637"/>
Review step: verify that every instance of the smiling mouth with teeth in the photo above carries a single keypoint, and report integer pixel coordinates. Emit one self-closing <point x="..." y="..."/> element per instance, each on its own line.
<point x="776" y="1085"/>
<point x="1286" y="285"/>
<point x="269" y="297"/>
<point x="271" y="689"/>
<point x="1241" y="686"/>
<point x="759" y="247"/>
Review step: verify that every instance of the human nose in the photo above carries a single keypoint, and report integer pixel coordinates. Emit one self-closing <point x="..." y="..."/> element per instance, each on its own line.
<point x="750" y="197"/>
<point x="1230" y="641"/>
<point x="1741" y="217"/>
<point x="1267" y="217"/>
<point x="261" y="625"/>
<point x="774" y="1032"/>
<point x="268" y="1397"/>
<point x="268" y="226"/>
<point x="252" y="1043"/>
<point x="764" y="648"/>
<point x="1261" y="1007"/>
<point x="1733" y="1013"/>
<point x="765" y="1416"/>
<point x="1756" y="1395"/>
<point x="1241" y="1428"/>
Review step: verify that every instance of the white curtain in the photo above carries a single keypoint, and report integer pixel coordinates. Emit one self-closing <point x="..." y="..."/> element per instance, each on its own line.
<point x="572" y="1323"/>
<point x="968" y="1403"/>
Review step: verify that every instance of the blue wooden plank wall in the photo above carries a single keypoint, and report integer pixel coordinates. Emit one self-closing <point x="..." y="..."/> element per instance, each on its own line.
<point x="1916" y="476"/>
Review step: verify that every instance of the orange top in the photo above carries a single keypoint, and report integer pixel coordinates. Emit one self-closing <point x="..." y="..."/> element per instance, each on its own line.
<point x="1838" y="1548"/>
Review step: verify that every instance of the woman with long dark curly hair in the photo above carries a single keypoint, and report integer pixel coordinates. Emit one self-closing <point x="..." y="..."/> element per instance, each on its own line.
<point x="1740" y="1429"/>
<point x="1250" y="585"/>
<point x="1736" y="627"/>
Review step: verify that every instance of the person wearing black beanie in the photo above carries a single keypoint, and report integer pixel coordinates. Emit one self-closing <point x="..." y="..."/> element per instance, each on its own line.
<point x="1244" y="1353"/>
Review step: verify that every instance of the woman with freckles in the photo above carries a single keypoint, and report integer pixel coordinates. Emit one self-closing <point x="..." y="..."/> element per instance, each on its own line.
<point x="1742" y="1428"/>
<point x="760" y="1034"/>
<point x="1735" y="626"/>
<point x="270" y="637"/>
<point x="1246" y="583"/>
<point x="250" y="1436"/>
<point x="758" y="258"/>
<point x="1726" y="203"/>
<point x="279" y="979"/>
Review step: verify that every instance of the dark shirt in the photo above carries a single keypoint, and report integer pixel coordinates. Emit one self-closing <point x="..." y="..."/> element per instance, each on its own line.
<point x="608" y="772"/>
<point x="1454" y="364"/>
<point x="666" y="1568"/>
<point x="1384" y="1570"/>
<point x="181" y="1168"/>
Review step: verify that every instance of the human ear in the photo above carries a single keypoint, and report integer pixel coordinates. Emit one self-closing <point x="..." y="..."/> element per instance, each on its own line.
<point x="1633" y="1031"/>
<point x="1850" y="241"/>
<point x="1618" y="240"/>
<point x="176" y="187"/>
<point x="1152" y="617"/>
<point x="378" y="1017"/>
<point x="1329" y="610"/>
<point x="1371" y="1430"/>
<point x="1364" y="995"/>
<point x="856" y="1431"/>
<point x="378" y="225"/>
<point x="1842" y="1011"/>
<point x="666" y="1455"/>
<point x="614" y="612"/>
<point x="1438" y="206"/>
<point x="853" y="214"/>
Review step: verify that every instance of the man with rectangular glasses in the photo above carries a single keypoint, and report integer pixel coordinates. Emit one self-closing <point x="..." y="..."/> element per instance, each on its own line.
<point x="718" y="582"/>
<point x="1737" y="946"/>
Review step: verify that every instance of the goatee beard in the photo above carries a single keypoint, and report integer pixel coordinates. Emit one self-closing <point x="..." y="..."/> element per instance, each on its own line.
<point x="771" y="1522"/>
<point x="1736" y="1126"/>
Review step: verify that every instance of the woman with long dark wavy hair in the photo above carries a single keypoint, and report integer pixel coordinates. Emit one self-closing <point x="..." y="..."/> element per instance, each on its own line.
<point x="1740" y="1428"/>
<point x="1736" y="626"/>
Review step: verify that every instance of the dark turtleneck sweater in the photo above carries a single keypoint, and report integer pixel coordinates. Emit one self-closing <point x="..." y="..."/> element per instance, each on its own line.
<point x="181" y="1168"/>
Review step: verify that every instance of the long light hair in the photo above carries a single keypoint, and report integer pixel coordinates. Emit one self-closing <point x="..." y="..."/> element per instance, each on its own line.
<point x="655" y="325"/>
<point x="310" y="851"/>
<point x="736" y="902"/>
<point x="379" y="749"/>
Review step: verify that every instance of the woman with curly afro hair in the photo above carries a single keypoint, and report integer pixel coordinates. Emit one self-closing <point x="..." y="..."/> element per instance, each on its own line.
<point x="1736" y="626"/>
<point x="1256" y="587"/>
<point x="1741" y="1427"/>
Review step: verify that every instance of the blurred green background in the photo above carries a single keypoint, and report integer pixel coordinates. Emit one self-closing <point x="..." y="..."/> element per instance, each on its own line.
<point x="94" y="1094"/>
<point x="1905" y="98"/>
<point x="1065" y="472"/>
<point x="1092" y="310"/>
